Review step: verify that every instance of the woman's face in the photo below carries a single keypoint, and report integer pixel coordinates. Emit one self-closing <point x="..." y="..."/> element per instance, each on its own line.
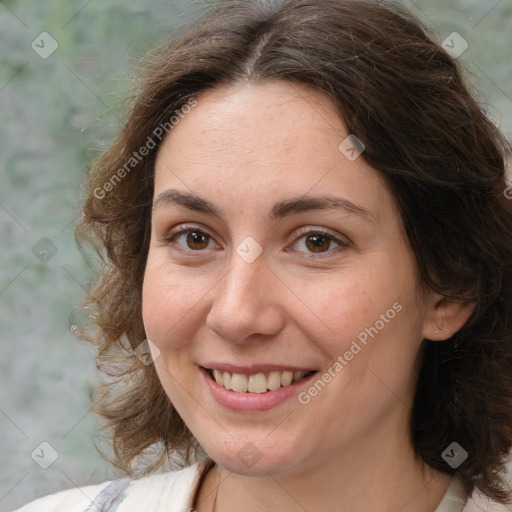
<point x="275" y="251"/>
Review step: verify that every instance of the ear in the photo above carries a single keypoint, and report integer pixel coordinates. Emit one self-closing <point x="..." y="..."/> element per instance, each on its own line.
<point x="444" y="317"/>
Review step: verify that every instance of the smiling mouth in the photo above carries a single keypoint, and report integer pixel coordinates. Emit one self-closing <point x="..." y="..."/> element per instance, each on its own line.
<point x="256" y="383"/>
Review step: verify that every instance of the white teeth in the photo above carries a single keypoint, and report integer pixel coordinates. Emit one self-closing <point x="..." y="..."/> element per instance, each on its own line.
<point x="226" y="380"/>
<point x="286" y="378"/>
<point x="257" y="383"/>
<point x="274" y="380"/>
<point x="239" y="382"/>
<point x="218" y="377"/>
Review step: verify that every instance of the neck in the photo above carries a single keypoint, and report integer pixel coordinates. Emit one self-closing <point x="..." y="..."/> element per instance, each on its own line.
<point x="377" y="471"/>
<point x="383" y="483"/>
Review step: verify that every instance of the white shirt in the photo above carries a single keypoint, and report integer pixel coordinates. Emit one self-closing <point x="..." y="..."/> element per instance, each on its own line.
<point x="175" y="491"/>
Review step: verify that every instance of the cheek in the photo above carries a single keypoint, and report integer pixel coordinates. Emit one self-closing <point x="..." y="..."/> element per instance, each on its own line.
<point x="339" y="307"/>
<point x="169" y="300"/>
<point x="362" y="303"/>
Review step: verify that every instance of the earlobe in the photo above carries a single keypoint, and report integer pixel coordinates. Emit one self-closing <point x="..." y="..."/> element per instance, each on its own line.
<point x="446" y="317"/>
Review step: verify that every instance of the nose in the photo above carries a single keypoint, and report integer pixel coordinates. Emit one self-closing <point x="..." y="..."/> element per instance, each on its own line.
<point x="246" y="302"/>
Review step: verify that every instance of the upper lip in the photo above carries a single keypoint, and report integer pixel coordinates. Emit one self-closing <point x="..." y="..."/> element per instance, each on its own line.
<point x="255" y="368"/>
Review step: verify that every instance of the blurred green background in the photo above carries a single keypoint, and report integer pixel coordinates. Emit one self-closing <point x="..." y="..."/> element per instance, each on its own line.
<point x="58" y="112"/>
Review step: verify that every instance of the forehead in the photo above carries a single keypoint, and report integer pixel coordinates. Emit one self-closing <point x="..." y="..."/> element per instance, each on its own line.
<point x="275" y="138"/>
<point x="272" y="119"/>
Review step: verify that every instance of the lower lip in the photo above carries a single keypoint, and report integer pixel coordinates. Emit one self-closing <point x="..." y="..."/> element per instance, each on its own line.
<point x="252" y="401"/>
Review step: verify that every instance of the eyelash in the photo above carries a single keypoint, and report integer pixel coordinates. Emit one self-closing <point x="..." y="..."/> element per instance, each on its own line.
<point x="184" y="229"/>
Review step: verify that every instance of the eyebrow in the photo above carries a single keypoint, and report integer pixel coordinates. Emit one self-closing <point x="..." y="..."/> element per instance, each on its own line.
<point x="280" y="209"/>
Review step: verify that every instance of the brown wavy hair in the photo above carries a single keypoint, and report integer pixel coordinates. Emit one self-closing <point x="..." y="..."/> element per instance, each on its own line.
<point x="410" y="104"/>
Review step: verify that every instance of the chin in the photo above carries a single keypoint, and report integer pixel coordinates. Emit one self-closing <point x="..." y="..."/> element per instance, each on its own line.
<point x="251" y="459"/>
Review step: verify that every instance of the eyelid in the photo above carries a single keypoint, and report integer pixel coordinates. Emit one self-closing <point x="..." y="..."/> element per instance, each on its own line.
<point x="309" y="230"/>
<point x="305" y="230"/>
<point x="181" y="229"/>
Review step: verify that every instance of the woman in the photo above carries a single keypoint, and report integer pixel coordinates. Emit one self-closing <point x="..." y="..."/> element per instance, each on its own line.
<point x="307" y="275"/>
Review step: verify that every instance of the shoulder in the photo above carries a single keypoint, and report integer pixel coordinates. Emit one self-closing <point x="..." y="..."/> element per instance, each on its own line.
<point x="70" y="501"/>
<point x="154" y="492"/>
<point x="166" y="492"/>
<point x="478" y="502"/>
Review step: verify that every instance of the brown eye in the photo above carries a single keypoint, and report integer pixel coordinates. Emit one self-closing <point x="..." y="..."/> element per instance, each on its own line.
<point x="196" y="240"/>
<point x="317" y="243"/>
<point x="190" y="239"/>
